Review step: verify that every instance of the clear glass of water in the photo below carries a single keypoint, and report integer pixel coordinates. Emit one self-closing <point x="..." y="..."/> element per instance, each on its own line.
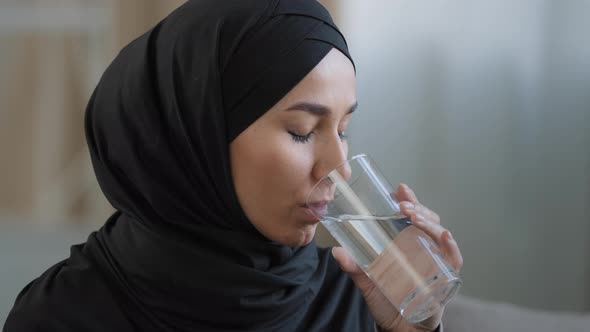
<point x="356" y="204"/>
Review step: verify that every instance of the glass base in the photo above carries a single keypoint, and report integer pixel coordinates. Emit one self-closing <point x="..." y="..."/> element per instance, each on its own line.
<point x="427" y="300"/>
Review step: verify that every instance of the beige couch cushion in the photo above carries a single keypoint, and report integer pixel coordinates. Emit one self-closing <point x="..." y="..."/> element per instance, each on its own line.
<point x="466" y="314"/>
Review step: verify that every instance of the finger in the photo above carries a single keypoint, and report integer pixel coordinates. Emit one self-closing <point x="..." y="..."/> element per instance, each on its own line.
<point x="406" y="194"/>
<point x="452" y="251"/>
<point x="409" y="209"/>
<point x="432" y="229"/>
<point x="400" y="194"/>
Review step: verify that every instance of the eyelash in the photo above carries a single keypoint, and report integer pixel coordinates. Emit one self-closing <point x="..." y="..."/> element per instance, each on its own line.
<point x="307" y="138"/>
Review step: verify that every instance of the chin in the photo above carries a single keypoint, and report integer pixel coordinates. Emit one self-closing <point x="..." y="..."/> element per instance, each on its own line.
<point x="301" y="238"/>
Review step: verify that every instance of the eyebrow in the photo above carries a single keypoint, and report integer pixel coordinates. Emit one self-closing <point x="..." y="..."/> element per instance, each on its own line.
<point x="317" y="109"/>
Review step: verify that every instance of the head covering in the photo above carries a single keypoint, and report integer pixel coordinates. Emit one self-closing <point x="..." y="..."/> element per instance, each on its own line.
<point x="180" y="254"/>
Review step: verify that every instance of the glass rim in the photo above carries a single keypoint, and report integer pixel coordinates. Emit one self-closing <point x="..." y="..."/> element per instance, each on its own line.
<point x="357" y="156"/>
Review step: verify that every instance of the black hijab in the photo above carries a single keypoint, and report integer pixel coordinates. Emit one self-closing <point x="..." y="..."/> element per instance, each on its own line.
<point x="179" y="254"/>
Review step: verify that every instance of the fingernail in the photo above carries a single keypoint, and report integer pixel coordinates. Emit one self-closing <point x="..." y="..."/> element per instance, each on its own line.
<point x="335" y="254"/>
<point x="418" y="219"/>
<point x="450" y="236"/>
<point x="407" y="205"/>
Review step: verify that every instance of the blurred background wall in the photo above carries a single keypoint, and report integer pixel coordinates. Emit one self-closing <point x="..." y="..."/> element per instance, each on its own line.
<point x="482" y="107"/>
<point x="52" y="54"/>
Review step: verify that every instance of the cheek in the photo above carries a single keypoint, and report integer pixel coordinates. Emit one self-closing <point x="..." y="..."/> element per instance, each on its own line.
<point x="269" y="176"/>
<point x="270" y="180"/>
<point x="281" y="170"/>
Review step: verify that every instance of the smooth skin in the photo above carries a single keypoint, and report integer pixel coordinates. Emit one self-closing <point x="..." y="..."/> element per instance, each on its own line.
<point x="278" y="159"/>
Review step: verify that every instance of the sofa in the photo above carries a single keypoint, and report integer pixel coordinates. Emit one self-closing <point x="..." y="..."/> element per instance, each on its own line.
<point x="466" y="314"/>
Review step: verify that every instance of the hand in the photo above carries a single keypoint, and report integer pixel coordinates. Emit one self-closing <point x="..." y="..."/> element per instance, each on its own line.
<point x="386" y="315"/>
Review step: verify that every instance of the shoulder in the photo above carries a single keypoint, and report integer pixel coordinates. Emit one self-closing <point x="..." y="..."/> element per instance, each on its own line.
<point x="69" y="296"/>
<point x="36" y="304"/>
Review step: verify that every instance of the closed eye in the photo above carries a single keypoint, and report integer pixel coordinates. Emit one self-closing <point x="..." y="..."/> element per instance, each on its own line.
<point x="300" y="138"/>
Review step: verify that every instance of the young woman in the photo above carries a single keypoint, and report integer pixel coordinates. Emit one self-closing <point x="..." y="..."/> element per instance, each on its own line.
<point x="206" y="135"/>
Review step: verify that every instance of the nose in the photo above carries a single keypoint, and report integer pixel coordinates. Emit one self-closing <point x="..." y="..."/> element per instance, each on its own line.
<point x="330" y="155"/>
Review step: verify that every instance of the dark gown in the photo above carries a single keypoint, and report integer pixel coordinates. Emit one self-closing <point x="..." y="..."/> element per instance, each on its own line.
<point x="79" y="294"/>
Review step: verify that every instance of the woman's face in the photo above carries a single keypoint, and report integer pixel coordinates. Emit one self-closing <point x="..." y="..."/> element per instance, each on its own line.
<point x="278" y="159"/>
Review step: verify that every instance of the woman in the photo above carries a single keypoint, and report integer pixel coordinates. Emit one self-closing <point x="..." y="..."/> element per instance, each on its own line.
<point x="206" y="133"/>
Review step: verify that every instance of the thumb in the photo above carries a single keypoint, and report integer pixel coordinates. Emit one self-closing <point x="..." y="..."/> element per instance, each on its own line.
<point x="358" y="276"/>
<point x="346" y="262"/>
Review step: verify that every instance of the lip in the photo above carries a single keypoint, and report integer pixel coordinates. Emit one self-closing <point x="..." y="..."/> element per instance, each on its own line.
<point x="317" y="208"/>
<point x="310" y="215"/>
<point x="316" y="204"/>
